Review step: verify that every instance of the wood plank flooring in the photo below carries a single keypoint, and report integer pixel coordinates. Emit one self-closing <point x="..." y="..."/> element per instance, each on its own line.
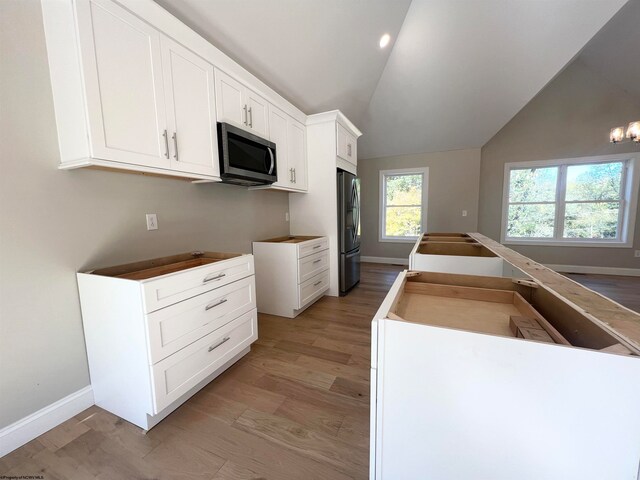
<point x="296" y="407"/>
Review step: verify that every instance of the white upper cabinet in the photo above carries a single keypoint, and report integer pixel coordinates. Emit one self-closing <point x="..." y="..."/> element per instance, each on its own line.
<point x="231" y="107"/>
<point x="240" y="105"/>
<point x="134" y="89"/>
<point x="278" y="135"/>
<point x="121" y="56"/>
<point x="289" y="136"/>
<point x="297" y="153"/>
<point x="257" y="112"/>
<point x="347" y="145"/>
<point x="191" y="140"/>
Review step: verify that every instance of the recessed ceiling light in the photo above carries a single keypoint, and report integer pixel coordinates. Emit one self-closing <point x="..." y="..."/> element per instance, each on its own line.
<point x="384" y="40"/>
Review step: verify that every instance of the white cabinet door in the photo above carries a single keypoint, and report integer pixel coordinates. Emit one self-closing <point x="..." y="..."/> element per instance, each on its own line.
<point x="297" y="153"/>
<point x="257" y="111"/>
<point x="278" y="135"/>
<point x="189" y="88"/>
<point x="347" y="145"/>
<point x="123" y="81"/>
<point x="230" y="102"/>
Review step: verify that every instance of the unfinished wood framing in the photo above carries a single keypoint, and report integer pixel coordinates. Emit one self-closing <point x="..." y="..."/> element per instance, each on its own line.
<point x="584" y="317"/>
<point x="163" y="265"/>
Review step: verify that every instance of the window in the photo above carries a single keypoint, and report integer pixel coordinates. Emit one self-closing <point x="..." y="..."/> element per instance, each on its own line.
<point x="403" y="202"/>
<point x="586" y="201"/>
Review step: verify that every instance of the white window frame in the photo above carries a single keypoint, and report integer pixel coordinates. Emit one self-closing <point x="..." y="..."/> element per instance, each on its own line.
<point x="424" y="171"/>
<point x="628" y="202"/>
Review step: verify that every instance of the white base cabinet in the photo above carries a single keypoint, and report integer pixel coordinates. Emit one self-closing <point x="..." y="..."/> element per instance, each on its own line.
<point x="158" y="331"/>
<point x="454" y="393"/>
<point x="458" y="253"/>
<point x="291" y="273"/>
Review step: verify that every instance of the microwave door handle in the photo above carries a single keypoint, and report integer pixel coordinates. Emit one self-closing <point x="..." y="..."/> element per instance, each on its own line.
<point x="273" y="161"/>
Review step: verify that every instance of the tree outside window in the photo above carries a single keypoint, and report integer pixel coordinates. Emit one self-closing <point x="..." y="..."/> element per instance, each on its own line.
<point x="567" y="202"/>
<point x="403" y="194"/>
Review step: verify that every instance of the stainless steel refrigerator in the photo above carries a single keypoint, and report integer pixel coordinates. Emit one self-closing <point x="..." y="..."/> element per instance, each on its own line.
<point x="349" y="230"/>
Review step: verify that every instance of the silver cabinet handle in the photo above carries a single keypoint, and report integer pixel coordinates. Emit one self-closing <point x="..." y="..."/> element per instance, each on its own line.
<point x="209" y="278"/>
<point x="317" y="283"/>
<point x="166" y="143"/>
<point x="213" y="347"/>
<point x="291" y="175"/>
<point x="250" y="117"/>
<point x="317" y="261"/>
<point x="246" y="116"/>
<point x="214" y="305"/>
<point x="317" y="246"/>
<point x="175" y="145"/>
<point x="349" y="149"/>
<point x="294" y="176"/>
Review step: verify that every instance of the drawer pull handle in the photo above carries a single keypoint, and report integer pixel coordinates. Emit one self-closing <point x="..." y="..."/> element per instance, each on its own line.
<point x="213" y="347"/>
<point x="317" y="261"/>
<point x="317" y="246"/>
<point x="317" y="283"/>
<point x="217" y="277"/>
<point x="213" y="305"/>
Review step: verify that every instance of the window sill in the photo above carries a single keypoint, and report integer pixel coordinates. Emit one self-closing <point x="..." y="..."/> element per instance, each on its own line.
<point x="398" y="240"/>
<point x="556" y="243"/>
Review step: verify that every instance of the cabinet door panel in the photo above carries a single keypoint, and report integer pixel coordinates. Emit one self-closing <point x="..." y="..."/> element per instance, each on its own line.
<point x="297" y="146"/>
<point x="229" y="100"/>
<point x="191" y="110"/>
<point x="278" y="135"/>
<point x="123" y="77"/>
<point x="258" y="119"/>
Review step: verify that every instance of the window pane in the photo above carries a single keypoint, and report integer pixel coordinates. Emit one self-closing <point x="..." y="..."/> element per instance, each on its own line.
<point x="533" y="185"/>
<point x="531" y="221"/>
<point x="591" y="220"/>
<point x="594" y="182"/>
<point x="404" y="189"/>
<point x="402" y="221"/>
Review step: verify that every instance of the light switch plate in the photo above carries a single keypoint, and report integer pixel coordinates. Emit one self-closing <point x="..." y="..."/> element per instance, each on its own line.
<point x="152" y="221"/>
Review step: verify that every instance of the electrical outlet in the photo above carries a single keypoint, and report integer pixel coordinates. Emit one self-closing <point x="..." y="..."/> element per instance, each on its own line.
<point x="152" y="221"/>
<point x="464" y="213"/>
<point x="637" y="254"/>
<point x="286" y="216"/>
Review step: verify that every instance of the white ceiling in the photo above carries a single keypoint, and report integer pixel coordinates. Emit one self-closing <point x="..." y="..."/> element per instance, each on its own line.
<point x="461" y="69"/>
<point x="615" y="51"/>
<point x="455" y="73"/>
<point x="319" y="54"/>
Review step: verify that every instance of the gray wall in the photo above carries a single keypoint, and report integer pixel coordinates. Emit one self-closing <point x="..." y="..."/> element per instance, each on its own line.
<point x="54" y="223"/>
<point x="453" y="187"/>
<point x="571" y="117"/>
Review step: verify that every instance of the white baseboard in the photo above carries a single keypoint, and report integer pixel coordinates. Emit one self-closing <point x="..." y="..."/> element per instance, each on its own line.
<point x="34" y="425"/>
<point x="625" y="272"/>
<point x="397" y="261"/>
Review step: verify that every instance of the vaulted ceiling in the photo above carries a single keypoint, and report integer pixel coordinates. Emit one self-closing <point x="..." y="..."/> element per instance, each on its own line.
<point x="455" y="72"/>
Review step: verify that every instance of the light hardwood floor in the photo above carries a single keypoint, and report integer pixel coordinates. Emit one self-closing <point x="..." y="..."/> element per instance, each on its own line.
<point x="296" y="407"/>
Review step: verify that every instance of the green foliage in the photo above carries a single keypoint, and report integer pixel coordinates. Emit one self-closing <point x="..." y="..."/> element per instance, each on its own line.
<point x="403" y="200"/>
<point x="597" y="184"/>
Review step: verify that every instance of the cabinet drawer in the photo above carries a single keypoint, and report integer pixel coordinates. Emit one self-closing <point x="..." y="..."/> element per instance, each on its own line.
<point x="178" y="373"/>
<point x="167" y="290"/>
<point x="312" y="246"/>
<point x="312" y="288"/>
<point x="176" y="326"/>
<point x="312" y="265"/>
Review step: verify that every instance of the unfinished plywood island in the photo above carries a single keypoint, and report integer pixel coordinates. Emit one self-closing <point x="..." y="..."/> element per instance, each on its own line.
<point x="489" y="377"/>
<point x="159" y="330"/>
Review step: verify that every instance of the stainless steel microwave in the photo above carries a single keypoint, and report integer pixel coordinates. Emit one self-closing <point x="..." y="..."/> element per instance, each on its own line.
<point x="246" y="159"/>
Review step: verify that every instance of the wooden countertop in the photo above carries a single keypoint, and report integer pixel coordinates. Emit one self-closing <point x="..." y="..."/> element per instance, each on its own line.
<point x="619" y="321"/>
